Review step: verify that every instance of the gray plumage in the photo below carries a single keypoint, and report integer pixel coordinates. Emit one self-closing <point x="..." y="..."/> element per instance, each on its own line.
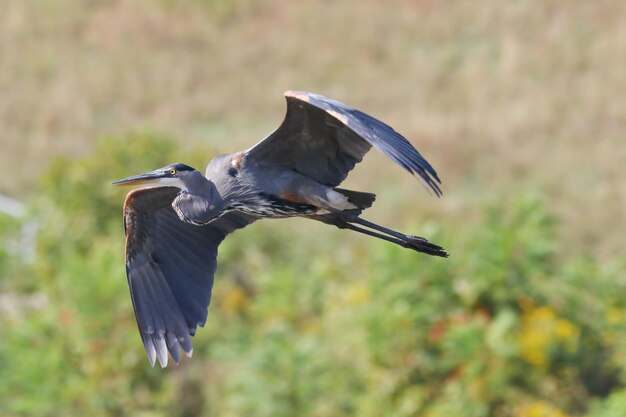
<point x="175" y="222"/>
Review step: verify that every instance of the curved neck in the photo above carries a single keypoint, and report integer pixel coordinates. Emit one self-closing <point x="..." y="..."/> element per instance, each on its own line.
<point x="200" y="202"/>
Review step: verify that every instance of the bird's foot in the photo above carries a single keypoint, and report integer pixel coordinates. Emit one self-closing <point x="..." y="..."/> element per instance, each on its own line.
<point x="421" y="244"/>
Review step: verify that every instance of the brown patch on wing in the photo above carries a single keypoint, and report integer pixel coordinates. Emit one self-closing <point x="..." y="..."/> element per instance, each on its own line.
<point x="295" y="198"/>
<point x="137" y="205"/>
<point x="130" y="220"/>
<point x="236" y="161"/>
<point x="300" y="95"/>
<point x="342" y="118"/>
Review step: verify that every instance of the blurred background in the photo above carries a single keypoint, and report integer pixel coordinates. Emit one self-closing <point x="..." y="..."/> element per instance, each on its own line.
<point x="519" y="105"/>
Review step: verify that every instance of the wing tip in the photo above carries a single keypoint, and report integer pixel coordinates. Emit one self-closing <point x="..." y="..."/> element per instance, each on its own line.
<point x="420" y="168"/>
<point x="434" y="186"/>
<point x="157" y="349"/>
<point x="299" y="95"/>
<point x="151" y="358"/>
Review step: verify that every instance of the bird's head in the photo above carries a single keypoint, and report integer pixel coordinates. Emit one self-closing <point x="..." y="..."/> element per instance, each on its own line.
<point x="198" y="201"/>
<point x="175" y="175"/>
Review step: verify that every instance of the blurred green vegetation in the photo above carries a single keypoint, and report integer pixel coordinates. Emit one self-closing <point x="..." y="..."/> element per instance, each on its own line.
<point x="509" y="325"/>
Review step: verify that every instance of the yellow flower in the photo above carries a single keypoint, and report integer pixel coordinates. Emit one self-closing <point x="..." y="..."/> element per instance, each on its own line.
<point x="568" y="333"/>
<point x="358" y="294"/>
<point x="541" y="330"/>
<point x="616" y="318"/>
<point x="235" y="300"/>
<point x="615" y="315"/>
<point x="539" y="409"/>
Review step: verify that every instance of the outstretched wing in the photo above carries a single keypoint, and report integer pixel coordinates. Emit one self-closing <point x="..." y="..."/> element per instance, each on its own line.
<point x="170" y="266"/>
<point x="324" y="139"/>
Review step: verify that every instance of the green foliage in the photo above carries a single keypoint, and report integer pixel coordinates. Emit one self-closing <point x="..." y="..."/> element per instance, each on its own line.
<point x="9" y="231"/>
<point x="508" y="326"/>
<point x="613" y="406"/>
<point x="78" y="344"/>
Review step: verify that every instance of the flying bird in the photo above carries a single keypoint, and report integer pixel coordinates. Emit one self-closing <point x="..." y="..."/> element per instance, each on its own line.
<point x="177" y="217"/>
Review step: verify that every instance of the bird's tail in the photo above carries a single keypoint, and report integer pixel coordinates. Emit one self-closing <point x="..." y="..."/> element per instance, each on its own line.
<point x="360" y="199"/>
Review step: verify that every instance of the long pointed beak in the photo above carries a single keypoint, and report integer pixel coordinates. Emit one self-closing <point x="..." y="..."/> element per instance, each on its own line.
<point x="141" y="179"/>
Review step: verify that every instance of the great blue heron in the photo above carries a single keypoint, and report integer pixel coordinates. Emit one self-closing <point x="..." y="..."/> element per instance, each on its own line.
<point x="178" y="217"/>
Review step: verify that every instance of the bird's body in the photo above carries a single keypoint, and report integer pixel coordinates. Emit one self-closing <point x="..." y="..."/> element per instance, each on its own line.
<point x="260" y="189"/>
<point x="270" y="192"/>
<point x="175" y="224"/>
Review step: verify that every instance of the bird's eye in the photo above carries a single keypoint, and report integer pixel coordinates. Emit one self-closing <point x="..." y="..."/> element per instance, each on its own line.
<point x="172" y="171"/>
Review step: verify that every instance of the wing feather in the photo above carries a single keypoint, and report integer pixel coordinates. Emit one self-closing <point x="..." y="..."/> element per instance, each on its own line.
<point x="170" y="267"/>
<point x="324" y="139"/>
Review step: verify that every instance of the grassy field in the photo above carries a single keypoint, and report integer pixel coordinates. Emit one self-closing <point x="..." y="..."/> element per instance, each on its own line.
<point x="519" y="105"/>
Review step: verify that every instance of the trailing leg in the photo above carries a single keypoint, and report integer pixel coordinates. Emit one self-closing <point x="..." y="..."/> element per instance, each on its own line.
<point x="344" y="220"/>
